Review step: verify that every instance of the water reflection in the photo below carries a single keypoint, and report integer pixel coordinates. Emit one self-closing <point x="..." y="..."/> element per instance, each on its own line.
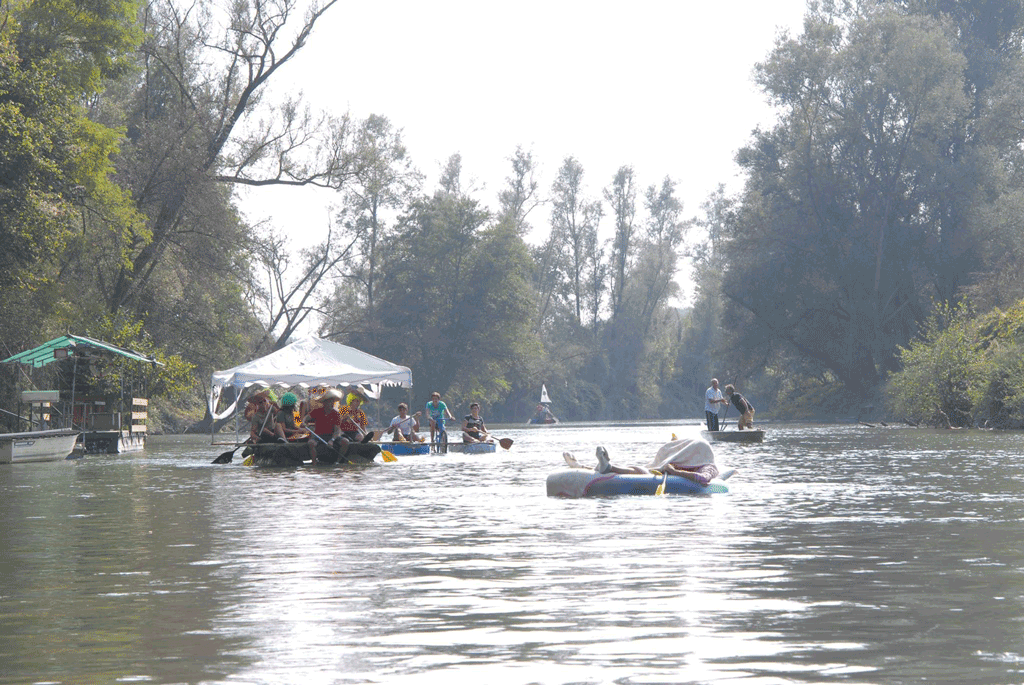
<point x="842" y="554"/>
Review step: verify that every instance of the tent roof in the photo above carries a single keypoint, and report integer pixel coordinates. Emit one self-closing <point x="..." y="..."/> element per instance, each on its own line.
<point x="309" y="362"/>
<point x="44" y="354"/>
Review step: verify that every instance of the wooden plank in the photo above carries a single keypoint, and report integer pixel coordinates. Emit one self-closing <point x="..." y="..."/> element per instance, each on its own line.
<point x="140" y="402"/>
<point x="140" y="415"/>
<point x="140" y="428"/>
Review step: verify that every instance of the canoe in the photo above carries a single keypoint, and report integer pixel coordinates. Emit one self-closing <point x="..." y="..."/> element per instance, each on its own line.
<point x="734" y="436"/>
<point x="585" y="483"/>
<point x="405" y="448"/>
<point x="472" y="447"/>
<point x="45" y="445"/>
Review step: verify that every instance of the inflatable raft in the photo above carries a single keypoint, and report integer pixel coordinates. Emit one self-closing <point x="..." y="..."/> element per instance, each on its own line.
<point x="586" y="483"/>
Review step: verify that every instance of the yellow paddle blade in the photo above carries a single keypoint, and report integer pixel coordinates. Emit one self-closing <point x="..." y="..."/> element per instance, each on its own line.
<point x="387" y="456"/>
<point x="674" y="438"/>
<point x="247" y="461"/>
<point x="661" y="486"/>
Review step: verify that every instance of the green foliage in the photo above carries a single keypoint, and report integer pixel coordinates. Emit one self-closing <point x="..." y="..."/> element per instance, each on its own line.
<point x="173" y="377"/>
<point x="944" y="370"/>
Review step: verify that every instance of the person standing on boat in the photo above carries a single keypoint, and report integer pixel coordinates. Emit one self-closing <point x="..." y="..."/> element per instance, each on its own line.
<point x="712" y="398"/>
<point x="473" y="428"/>
<point x="745" y="408"/>
<point x="436" y="413"/>
<point x="404" y="426"/>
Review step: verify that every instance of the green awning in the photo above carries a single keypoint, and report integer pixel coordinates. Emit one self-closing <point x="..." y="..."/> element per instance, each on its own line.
<point x="47" y="352"/>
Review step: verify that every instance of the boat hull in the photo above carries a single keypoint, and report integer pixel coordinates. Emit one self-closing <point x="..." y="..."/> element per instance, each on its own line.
<point x="49" y="445"/>
<point x="576" y="483"/>
<point x="472" y="447"/>
<point x="734" y="436"/>
<point x="297" y="454"/>
<point x="405" y="448"/>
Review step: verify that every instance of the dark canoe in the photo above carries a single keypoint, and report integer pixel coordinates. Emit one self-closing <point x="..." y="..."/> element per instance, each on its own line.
<point x="297" y="454"/>
<point x="734" y="436"/>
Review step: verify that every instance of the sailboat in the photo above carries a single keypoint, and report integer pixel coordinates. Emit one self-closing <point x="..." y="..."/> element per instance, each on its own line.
<point x="543" y="415"/>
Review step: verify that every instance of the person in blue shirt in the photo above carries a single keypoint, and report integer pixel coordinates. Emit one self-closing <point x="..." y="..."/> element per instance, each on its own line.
<point x="437" y="411"/>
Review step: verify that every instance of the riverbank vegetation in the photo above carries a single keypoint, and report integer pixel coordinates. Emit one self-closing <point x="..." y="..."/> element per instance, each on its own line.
<point x="873" y="252"/>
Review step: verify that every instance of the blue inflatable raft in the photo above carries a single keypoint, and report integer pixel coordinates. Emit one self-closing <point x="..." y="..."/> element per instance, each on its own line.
<point x="585" y="483"/>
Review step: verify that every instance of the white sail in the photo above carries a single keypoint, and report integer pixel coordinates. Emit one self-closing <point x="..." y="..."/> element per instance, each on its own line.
<point x="544" y="399"/>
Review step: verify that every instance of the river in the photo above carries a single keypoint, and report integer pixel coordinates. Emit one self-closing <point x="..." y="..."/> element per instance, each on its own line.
<point x="841" y="554"/>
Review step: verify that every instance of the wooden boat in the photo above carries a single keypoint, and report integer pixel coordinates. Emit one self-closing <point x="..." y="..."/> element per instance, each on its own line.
<point x="734" y="436"/>
<point x="297" y="454"/>
<point x="45" y="445"/>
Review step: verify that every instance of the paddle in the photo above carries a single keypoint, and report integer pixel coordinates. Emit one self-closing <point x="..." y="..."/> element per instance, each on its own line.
<point x="661" y="488"/>
<point x="226" y="457"/>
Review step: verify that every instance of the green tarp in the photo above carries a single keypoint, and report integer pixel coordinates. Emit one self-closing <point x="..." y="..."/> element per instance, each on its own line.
<point x="47" y="352"/>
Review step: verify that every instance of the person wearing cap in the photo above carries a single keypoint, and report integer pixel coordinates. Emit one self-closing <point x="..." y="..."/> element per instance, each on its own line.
<point x="286" y="428"/>
<point x="404" y="426"/>
<point x="325" y="417"/>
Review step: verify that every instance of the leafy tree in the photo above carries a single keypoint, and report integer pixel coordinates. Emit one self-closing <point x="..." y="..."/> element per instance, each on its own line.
<point x="519" y="197"/>
<point x="832" y="248"/>
<point x="574" y="222"/>
<point x="382" y="184"/>
<point x="621" y="198"/>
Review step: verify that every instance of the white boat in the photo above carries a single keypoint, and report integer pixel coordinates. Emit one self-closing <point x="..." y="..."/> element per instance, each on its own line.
<point x="45" y="445"/>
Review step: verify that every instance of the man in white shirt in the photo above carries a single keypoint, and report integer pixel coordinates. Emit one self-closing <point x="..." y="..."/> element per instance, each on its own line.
<point x="712" y="398"/>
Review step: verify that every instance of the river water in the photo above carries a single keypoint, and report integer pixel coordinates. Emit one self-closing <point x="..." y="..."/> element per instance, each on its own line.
<point x="842" y="554"/>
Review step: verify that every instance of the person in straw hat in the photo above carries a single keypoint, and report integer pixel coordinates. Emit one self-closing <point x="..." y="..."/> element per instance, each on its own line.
<point x="325" y="417"/>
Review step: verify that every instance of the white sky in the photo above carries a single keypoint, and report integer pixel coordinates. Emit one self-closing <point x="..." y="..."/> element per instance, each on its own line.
<point x="664" y="86"/>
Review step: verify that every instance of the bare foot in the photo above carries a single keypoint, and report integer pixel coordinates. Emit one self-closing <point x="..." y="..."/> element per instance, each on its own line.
<point x="571" y="460"/>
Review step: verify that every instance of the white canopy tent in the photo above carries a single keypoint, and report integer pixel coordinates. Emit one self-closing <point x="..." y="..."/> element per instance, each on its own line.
<point x="305" y="363"/>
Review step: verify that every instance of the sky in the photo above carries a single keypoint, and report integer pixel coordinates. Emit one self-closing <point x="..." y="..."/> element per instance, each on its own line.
<point x="660" y="85"/>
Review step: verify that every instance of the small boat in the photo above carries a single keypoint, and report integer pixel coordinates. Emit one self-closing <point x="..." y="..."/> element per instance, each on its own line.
<point x="405" y="448"/>
<point x="44" y="445"/>
<point x="734" y="436"/>
<point x="543" y="415"/>
<point x="577" y="483"/>
<point x="472" y="447"/>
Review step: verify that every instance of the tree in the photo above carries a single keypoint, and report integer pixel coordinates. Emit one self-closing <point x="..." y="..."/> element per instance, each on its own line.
<point x="519" y="197"/>
<point x="831" y="248"/>
<point x="621" y="197"/>
<point x="574" y="222"/>
<point x="382" y="185"/>
<point x="191" y="127"/>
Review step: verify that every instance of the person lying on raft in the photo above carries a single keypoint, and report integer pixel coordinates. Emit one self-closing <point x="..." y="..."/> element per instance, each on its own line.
<point x="285" y="427"/>
<point x="404" y="426"/>
<point x="689" y="458"/>
<point x="473" y="428"/>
